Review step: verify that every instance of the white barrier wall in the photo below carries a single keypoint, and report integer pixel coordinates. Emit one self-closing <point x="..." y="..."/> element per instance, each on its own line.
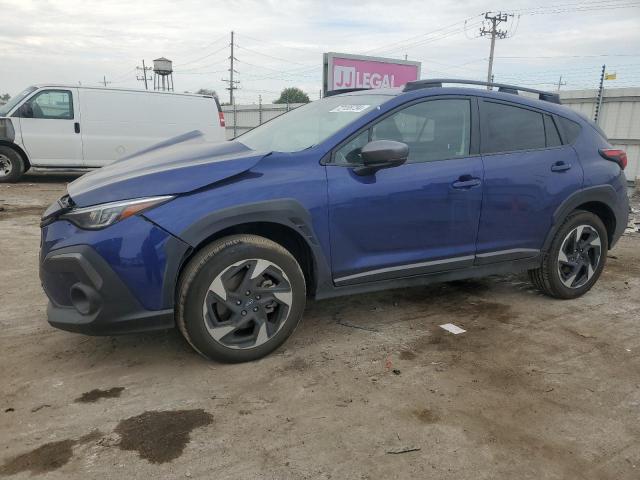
<point x="619" y="118"/>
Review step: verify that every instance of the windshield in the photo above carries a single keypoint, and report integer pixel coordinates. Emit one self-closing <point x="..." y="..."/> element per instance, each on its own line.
<point x="310" y="124"/>
<point x="13" y="101"/>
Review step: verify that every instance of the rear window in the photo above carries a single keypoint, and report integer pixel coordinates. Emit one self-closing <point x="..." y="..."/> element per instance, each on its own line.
<point x="510" y="128"/>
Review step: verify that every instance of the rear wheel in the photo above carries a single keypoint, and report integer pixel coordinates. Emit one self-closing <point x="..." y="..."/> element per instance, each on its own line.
<point x="240" y="298"/>
<point x="11" y="165"/>
<point x="575" y="259"/>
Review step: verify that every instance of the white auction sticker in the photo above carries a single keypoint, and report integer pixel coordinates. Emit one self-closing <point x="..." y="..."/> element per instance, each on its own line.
<point x="350" y="108"/>
<point x="450" y="327"/>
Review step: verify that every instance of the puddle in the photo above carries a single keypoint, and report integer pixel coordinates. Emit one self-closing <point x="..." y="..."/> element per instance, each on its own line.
<point x="97" y="394"/>
<point x="47" y="457"/>
<point x="160" y="437"/>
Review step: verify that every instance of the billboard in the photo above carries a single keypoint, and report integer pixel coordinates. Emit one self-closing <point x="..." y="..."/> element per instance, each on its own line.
<point x="343" y="71"/>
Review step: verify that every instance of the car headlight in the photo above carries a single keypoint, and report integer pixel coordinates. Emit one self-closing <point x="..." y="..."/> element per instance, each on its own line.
<point x="105" y="214"/>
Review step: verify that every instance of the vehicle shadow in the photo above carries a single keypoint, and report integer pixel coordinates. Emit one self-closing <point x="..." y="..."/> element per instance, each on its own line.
<point x="49" y="177"/>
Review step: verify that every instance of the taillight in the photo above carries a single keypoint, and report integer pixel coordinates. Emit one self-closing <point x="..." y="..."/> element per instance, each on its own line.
<point x="221" y="117"/>
<point x="615" y="155"/>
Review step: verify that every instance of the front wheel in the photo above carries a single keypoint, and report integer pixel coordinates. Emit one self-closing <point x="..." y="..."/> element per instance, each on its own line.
<point x="11" y="165"/>
<point x="240" y="298"/>
<point x="575" y="259"/>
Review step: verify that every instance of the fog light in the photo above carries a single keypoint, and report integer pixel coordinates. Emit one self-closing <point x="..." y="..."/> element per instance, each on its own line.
<point x="84" y="298"/>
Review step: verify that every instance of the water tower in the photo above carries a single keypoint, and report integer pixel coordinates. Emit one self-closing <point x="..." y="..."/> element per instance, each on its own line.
<point x="163" y="74"/>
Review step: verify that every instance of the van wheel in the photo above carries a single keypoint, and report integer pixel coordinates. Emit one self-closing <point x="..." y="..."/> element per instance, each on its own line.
<point x="11" y="165"/>
<point x="240" y="298"/>
<point x="575" y="259"/>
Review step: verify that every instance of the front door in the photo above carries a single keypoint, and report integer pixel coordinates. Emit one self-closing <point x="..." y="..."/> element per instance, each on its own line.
<point x="417" y="218"/>
<point x="49" y="126"/>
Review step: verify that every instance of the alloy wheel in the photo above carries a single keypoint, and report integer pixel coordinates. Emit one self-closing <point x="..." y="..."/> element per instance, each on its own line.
<point x="247" y="303"/>
<point x="579" y="256"/>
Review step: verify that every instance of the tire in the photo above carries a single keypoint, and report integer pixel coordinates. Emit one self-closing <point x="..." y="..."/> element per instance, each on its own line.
<point x="230" y="317"/>
<point x="11" y="165"/>
<point x="575" y="259"/>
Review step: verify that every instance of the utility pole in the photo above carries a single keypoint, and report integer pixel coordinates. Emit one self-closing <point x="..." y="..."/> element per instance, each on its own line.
<point x="561" y="83"/>
<point x="144" y="78"/>
<point x="600" y="95"/>
<point x="494" y="32"/>
<point x="232" y="83"/>
<point x="104" y="80"/>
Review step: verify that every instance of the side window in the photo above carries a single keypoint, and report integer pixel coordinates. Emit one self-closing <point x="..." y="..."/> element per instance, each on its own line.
<point x="50" y="104"/>
<point x="553" y="138"/>
<point x="509" y="128"/>
<point x="570" y="130"/>
<point x="349" y="153"/>
<point x="433" y="130"/>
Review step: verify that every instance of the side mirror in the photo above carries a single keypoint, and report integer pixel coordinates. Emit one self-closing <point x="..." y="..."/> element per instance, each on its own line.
<point x="26" y="110"/>
<point x="381" y="154"/>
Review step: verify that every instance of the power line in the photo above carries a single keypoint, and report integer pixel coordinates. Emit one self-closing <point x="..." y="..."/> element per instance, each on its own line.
<point x="446" y="27"/>
<point x="271" y="56"/>
<point x="279" y="44"/>
<point x="202" y="58"/>
<point x="431" y="39"/>
<point x="573" y="56"/>
<point x="578" y="7"/>
<point x="208" y="65"/>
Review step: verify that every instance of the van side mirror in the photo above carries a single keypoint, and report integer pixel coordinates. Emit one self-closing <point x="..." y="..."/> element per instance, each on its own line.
<point x="380" y="154"/>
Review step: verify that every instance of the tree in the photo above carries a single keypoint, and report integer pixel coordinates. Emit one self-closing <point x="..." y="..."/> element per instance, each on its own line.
<point x="206" y="91"/>
<point x="292" y="95"/>
<point x="4" y="98"/>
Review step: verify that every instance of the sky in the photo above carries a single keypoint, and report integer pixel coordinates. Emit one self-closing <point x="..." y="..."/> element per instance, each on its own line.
<point x="279" y="43"/>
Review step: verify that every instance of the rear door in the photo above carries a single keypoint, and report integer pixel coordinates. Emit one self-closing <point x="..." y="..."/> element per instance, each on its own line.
<point x="417" y="218"/>
<point x="528" y="173"/>
<point x="49" y="126"/>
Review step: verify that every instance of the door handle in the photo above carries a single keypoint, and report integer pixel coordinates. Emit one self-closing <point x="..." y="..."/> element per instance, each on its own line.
<point x="76" y="127"/>
<point x="560" y="167"/>
<point x="466" y="181"/>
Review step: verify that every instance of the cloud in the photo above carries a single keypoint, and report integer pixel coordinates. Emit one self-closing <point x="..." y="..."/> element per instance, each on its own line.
<point x="280" y="43"/>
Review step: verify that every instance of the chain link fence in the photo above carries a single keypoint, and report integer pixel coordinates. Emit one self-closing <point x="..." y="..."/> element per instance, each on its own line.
<point x="242" y="118"/>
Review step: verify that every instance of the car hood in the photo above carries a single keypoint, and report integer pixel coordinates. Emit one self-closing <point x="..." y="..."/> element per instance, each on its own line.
<point x="179" y="165"/>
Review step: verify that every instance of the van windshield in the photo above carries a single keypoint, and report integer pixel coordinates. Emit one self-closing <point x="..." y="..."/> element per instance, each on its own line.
<point x="310" y="124"/>
<point x="13" y="101"/>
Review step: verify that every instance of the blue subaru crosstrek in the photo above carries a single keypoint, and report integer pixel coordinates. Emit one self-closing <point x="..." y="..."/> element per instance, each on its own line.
<point x="356" y="192"/>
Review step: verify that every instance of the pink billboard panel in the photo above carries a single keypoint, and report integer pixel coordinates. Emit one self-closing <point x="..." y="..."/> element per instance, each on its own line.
<point x="345" y="71"/>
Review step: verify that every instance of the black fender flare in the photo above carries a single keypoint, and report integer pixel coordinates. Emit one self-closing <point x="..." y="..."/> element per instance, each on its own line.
<point x="286" y="212"/>
<point x="605" y="194"/>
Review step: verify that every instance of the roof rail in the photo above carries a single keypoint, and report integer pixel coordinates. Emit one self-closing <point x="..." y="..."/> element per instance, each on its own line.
<point x="437" y="82"/>
<point x="331" y="93"/>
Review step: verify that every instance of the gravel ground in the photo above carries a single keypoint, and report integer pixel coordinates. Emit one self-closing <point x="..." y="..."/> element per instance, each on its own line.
<point x="369" y="386"/>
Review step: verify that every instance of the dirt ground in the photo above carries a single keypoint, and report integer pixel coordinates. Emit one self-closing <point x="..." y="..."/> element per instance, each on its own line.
<point x="369" y="386"/>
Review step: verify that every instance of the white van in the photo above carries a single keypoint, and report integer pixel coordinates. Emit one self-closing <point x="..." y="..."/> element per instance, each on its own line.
<point x="77" y="128"/>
